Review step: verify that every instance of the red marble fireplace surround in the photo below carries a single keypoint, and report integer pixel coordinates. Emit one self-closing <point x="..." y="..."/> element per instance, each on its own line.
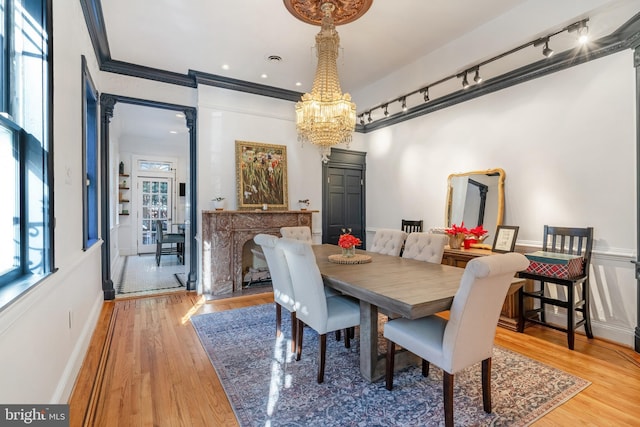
<point x="224" y="235"/>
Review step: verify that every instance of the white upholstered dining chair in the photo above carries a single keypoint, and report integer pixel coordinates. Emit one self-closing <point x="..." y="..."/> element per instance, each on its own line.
<point x="302" y="233"/>
<point x="323" y="314"/>
<point x="427" y="247"/>
<point x="283" y="295"/>
<point x="388" y="241"/>
<point x="467" y="336"/>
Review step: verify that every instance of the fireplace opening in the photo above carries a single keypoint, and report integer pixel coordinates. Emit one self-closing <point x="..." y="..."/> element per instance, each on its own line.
<point x="254" y="266"/>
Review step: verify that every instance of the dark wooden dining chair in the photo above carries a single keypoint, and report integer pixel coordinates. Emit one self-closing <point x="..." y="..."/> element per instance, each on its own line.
<point x="571" y="241"/>
<point x="175" y="242"/>
<point x="412" y="226"/>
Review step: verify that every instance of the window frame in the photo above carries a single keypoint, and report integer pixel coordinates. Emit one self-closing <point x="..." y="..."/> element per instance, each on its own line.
<point x="90" y="204"/>
<point x="34" y="157"/>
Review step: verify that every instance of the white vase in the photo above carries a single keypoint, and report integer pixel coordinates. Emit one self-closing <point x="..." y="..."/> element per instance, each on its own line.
<point x="218" y="205"/>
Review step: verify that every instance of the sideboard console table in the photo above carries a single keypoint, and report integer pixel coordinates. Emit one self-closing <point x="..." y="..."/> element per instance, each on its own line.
<point x="510" y="314"/>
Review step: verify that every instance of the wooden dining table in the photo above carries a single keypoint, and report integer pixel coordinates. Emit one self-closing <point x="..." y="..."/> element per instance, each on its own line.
<point x="392" y="285"/>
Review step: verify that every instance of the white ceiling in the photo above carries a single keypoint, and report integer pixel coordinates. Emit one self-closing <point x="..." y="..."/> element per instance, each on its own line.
<point x="388" y="52"/>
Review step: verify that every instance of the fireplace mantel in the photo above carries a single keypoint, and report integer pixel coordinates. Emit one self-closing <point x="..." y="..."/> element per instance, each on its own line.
<point x="224" y="235"/>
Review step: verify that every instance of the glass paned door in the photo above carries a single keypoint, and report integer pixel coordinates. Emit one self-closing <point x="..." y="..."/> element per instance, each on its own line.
<point x="154" y="195"/>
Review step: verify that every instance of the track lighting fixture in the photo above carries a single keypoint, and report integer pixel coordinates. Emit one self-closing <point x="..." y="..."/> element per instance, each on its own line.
<point x="477" y="78"/>
<point x="465" y="82"/>
<point x="580" y="28"/>
<point x="425" y="93"/>
<point x="546" y="51"/>
<point x="404" y="103"/>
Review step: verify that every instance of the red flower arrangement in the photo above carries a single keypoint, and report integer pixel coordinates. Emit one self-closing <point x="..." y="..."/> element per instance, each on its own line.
<point x="347" y="241"/>
<point x="455" y="229"/>
<point x="478" y="231"/>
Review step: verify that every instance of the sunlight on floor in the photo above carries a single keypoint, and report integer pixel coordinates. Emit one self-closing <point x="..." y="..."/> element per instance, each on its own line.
<point x="193" y="310"/>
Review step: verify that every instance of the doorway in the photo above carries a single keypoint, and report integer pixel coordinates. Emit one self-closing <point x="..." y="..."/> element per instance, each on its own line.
<point x="110" y="216"/>
<point x="343" y="195"/>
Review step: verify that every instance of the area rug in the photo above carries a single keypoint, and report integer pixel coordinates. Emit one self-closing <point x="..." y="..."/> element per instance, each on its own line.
<point x="267" y="387"/>
<point x="140" y="274"/>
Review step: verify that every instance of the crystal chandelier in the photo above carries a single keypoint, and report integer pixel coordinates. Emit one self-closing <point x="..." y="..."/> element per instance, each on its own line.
<point x="326" y="117"/>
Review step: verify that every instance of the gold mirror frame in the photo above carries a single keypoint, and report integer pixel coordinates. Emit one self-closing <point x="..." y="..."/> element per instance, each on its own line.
<point x="500" y="208"/>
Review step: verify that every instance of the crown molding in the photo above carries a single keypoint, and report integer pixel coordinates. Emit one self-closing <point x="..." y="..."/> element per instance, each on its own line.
<point x="625" y="37"/>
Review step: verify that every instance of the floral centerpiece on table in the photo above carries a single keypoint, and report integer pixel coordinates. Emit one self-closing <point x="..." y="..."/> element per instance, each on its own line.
<point x="348" y="243"/>
<point x="457" y="234"/>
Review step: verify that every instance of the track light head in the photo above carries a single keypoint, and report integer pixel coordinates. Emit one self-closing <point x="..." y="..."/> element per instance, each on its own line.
<point x="362" y="119"/>
<point x="369" y="118"/>
<point x="465" y="82"/>
<point x="425" y="93"/>
<point x="477" y="77"/>
<point x="404" y="103"/>
<point x="581" y="29"/>
<point x="547" y="51"/>
<point x="386" y="110"/>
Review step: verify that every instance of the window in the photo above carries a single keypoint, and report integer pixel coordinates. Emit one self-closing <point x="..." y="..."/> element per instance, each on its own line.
<point x="25" y="170"/>
<point x="89" y="158"/>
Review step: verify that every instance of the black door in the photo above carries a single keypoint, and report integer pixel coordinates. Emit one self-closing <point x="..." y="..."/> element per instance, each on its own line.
<point x="343" y="196"/>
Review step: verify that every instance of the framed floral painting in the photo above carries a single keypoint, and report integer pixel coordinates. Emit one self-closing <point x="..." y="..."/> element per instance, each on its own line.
<point x="261" y="176"/>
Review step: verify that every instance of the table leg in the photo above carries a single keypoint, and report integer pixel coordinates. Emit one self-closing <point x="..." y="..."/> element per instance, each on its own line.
<point x="369" y="341"/>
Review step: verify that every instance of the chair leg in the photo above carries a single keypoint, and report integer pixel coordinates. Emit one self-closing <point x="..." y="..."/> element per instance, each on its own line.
<point x="586" y="311"/>
<point x="391" y="352"/>
<point x="352" y="332"/>
<point x="425" y="368"/>
<point x="447" y="390"/>
<point x="278" y="319"/>
<point x="158" y="253"/>
<point x="299" y="335"/>
<point x="294" y="332"/>
<point x="543" y="316"/>
<point x="521" y="309"/>
<point x="571" y="313"/>
<point x="486" y="385"/>
<point x="347" y="338"/>
<point x="338" y="335"/>
<point x="323" y="356"/>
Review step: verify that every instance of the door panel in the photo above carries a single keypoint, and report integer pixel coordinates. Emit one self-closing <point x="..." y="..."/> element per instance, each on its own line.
<point x="345" y="206"/>
<point x="154" y="195"/>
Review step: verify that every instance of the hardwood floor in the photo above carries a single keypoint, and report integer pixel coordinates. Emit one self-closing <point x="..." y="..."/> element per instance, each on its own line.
<point x="145" y="366"/>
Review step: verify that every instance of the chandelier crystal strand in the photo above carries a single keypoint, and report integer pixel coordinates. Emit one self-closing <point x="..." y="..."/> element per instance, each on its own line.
<point x="326" y="117"/>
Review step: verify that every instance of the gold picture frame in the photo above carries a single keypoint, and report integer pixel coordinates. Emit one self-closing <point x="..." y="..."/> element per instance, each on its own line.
<point x="261" y="176"/>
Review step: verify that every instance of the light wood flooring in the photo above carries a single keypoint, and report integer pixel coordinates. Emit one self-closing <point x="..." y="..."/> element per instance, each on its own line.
<point x="145" y="366"/>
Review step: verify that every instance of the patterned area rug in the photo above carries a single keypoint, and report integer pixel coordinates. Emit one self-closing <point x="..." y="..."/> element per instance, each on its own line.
<point x="266" y="386"/>
<point x="141" y="275"/>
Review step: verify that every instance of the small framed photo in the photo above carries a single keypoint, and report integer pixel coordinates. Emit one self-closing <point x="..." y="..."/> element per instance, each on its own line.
<point x="505" y="240"/>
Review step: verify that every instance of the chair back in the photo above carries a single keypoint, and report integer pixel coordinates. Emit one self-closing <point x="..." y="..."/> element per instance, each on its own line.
<point x="388" y="242"/>
<point x="283" y="291"/>
<point x="411" y="226"/>
<point x="473" y="318"/>
<point x="159" y="231"/>
<point x="427" y="247"/>
<point x="571" y="241"/>
<point x="307" y="283"/>
<point x="302" y="233"/>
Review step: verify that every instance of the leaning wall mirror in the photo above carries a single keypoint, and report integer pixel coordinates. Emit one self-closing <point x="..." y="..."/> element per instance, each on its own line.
<point x="476" y="198"/>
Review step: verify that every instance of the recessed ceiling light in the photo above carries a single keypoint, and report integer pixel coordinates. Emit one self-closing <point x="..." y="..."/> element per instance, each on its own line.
<point x="274" y="58"/>
<point x="180" y="115"/>
<point x="173" y="131"/>
<point x="264" y="76"/>
<point x="298" y="84"/>
<point x="225" y="66"/>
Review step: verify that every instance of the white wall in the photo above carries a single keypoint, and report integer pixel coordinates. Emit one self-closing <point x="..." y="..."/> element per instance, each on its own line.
<point x="44" y="335"/>
<point x="567" y="144"/>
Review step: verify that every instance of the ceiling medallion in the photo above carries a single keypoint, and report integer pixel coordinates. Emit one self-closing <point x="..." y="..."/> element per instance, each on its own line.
<point x="310" y="11"/>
